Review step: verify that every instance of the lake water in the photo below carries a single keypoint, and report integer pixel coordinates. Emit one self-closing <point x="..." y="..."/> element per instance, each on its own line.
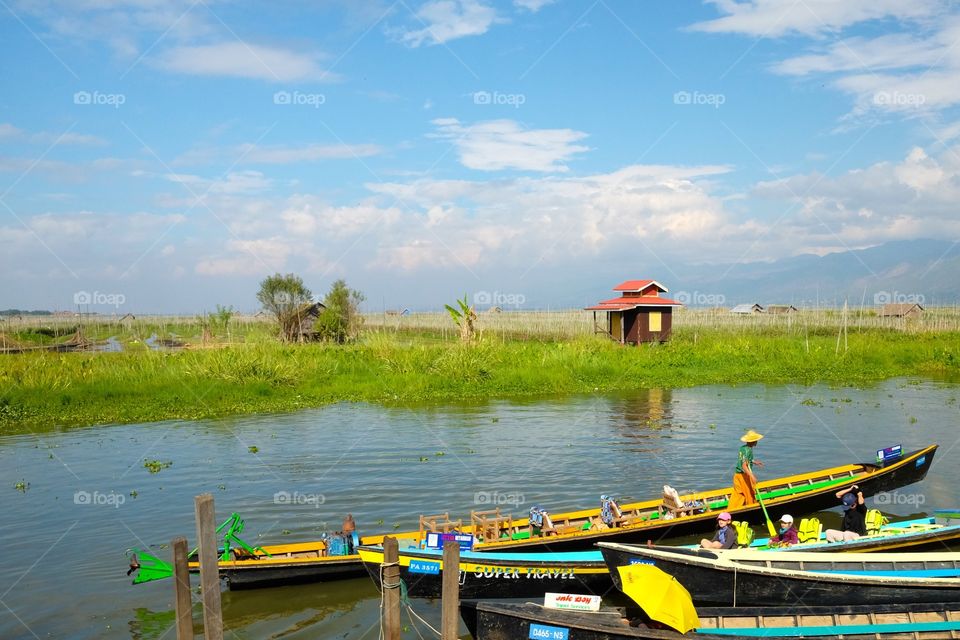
<point x="89" y="496"/>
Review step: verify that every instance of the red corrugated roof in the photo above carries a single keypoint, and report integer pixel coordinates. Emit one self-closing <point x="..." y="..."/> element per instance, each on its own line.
<point x="638" y="285"/>
<point x="619" y="304"/>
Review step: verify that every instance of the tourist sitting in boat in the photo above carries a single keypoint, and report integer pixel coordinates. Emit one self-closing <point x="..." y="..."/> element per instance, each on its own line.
<point x="610" y="513"/>
<point x="854" y="522"/>
<point x="787" y="533"/>
<point x="726" y="535"/>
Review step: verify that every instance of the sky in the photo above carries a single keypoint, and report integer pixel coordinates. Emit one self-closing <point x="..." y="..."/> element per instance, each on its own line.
<point x="164" y="156"/>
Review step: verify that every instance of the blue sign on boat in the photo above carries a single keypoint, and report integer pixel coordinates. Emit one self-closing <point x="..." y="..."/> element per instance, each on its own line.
<point x="419" y="566"/>
<point x="436" y="540"/>
<point x="641" y="561"/>
<point x="890" y="453"/>
<point x="546" y="632"/>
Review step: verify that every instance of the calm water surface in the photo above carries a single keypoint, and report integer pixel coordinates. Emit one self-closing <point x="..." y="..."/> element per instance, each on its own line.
<point x="62" y="569"/>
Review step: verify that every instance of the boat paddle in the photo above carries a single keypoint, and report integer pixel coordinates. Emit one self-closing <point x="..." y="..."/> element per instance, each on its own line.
<point x="770" y="527"/>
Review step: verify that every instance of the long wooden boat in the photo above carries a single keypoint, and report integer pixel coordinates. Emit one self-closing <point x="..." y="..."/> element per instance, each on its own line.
<point x="643" y="521"/>
<point x="500" y="575"/>
<point x="268" y="566"/>
<point x="744" y="577"/>
<point x="531" y="574"/>
<point x="509" y="621"/>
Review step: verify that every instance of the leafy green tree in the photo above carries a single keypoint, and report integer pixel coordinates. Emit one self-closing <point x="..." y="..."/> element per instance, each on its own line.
<point x="286" y="298"/>
<point x="341" y="319"/>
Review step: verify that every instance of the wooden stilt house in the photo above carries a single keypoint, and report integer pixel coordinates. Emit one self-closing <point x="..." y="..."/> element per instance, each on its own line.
<point x="641" y="314"/>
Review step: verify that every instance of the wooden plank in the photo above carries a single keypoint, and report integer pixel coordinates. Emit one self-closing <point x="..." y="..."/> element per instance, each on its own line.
<point x="209" y="569"/>
<point x="450" y="593"/>
<point x="390" y="583"/>
<point x="183" y="605"/>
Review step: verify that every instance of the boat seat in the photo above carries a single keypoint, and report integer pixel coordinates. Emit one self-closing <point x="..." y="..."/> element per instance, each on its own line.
<point x="673" y="505"/>
<point x="809" y="530"/>
<point x="487" y="525"/>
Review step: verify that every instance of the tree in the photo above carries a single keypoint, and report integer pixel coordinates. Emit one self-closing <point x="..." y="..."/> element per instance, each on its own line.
<point x="341" y="319"/>
<point x="464" y="317"/>
<point x="285" y="297"/>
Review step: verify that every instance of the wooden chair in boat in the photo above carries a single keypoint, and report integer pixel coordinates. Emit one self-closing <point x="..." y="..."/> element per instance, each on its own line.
<point x="672" y="504"/>
<point x="488" y="525"/>
<point x="440" y="523"/>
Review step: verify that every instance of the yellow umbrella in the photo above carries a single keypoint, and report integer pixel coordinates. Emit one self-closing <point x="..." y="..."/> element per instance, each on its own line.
<point x="660" y="595"/>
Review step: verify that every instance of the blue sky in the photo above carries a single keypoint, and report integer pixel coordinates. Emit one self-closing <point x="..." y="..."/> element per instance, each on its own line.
<point x="172" y="154"/>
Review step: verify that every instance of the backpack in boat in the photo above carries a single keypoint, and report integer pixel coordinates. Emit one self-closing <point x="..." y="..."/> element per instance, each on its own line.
<point x="875" y="520"/>
<point x="744" y="533"/>
<point x="809" y="530"/>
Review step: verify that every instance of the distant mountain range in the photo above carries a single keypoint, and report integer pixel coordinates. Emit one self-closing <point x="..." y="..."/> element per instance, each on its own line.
<point x="926" y="271"/>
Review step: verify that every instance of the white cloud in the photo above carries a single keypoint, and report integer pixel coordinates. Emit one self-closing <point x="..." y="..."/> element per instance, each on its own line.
<point x="446" y="20"/>
<point x="532" y="5"/>
<point x="243" y="60"/>
<point x="9" y="131"/>
<point x="774" y="18"/>
<point x="505" y="144"/>
<point x="306" y="153"/>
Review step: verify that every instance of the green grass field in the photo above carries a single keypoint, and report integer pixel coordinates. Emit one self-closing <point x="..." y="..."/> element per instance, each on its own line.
<point x="250" y="371"/>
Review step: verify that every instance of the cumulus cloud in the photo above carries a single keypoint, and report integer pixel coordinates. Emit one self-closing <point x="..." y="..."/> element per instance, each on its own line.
<point x="243" y="60"/>
<point x="505" y="144"/>
<point x="446" y="20"/>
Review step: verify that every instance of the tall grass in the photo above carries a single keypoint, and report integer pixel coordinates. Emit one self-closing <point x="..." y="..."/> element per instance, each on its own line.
<point x="47" y="390"/>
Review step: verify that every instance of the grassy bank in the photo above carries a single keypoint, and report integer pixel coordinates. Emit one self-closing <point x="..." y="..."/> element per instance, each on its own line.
<point x="44" y="390"/>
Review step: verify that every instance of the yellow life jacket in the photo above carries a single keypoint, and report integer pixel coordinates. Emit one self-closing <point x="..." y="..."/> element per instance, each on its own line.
<point x="744" y="533"/>
<point x="809" y="530"/>
<point x="875" y="520"/>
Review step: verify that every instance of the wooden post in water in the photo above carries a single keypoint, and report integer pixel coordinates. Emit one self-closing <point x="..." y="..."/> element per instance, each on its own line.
<point x="390" y="583"/>
<point x="450" y="622"/>
<point x="183" y="605"/>
<point x="209" y="569"/>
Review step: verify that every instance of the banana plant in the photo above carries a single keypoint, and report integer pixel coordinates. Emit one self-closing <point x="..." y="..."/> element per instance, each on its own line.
<point x="464" y="317"/>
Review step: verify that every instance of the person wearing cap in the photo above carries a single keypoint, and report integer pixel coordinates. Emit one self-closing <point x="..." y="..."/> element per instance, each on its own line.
<point x="744" y="481"/>
<point x="787" y="534"/>
<point x="726" y="535"/>
<point x="854" y="522"/>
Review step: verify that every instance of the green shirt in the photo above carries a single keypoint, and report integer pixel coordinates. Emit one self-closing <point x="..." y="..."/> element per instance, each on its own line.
<point x="746" y="455"/>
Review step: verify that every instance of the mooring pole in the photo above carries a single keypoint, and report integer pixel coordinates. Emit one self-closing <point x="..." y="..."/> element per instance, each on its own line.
<point x="183" y="605"/>
<point x="450" y="622"/>
<point x="209" y="571"/>
<point x="390" y="583"/>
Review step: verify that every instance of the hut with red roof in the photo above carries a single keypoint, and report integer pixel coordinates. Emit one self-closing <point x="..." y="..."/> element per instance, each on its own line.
<point x="641" y="314"/>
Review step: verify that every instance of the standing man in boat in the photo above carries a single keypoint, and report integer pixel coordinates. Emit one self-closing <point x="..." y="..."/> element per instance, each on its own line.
<point x="744" y="481"/>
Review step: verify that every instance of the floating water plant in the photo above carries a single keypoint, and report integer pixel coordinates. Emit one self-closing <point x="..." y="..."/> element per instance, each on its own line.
<point x="156" y="466"/>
